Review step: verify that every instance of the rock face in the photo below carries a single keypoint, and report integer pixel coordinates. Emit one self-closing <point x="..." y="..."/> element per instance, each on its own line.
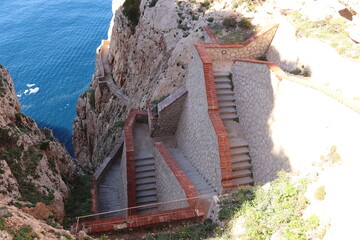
<point x="33" y="164"/>
<point x="149" y="60"/>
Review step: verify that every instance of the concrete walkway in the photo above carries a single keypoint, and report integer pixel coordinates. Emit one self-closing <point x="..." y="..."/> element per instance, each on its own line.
<point x="108" y="75"/>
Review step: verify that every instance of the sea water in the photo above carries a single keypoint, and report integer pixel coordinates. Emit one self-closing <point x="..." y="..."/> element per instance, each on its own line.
<point x="49" y="48"/>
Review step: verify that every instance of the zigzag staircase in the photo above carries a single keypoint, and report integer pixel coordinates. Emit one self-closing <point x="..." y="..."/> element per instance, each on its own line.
<point x="239" y="148"/>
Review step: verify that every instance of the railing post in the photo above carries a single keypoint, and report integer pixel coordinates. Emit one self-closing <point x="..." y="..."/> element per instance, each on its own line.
<point x="77" y="225"/>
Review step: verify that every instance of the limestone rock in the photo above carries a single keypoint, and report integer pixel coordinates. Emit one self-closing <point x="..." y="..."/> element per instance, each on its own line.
<point x="33" y="163"/>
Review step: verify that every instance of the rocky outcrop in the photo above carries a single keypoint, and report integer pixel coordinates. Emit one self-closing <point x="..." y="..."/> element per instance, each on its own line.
<point x="34" y="166"/>
<point x="148" y="61"/>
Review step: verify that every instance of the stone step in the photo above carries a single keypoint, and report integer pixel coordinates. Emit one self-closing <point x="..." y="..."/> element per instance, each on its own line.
<point x="227" y="110"/>
<point x="221" y="74"/>
<point x="226" y="104"/>
<point x="222" y="80"/>
<point x="243" y="181"/>
<point x="224" y="92"/>
<point x="226" y="99"/>
<point x="142" y="175"/>
<point x="228" y="116"/>
<point x="146" y="180"/>
<point x="235" y="143"/>
<point x="223" y="86"/>
<point x="146" y="186"/>
<point x="144" y="162"/>
<point x="240" y="158"/>
<point x="146" y="200"/>
<point x="240" y="166"/>
<point x="241" y="173"/>
<point x="145" y="168"/>
<point x="144" y="193"/>
<point x="143" y="210"/>
<point x="239" y="151"/>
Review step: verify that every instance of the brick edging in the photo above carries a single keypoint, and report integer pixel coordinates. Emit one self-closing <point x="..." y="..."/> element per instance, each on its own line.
<point x="94" y="195"/>
<point x="185" y="182"/>
<point x="140" y="220"/>
<point x="280" y="74"/>
<point x="130" y="157"/>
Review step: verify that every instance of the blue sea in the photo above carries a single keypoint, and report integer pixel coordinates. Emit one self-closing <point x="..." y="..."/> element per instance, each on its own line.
<point x="49" y="48"/>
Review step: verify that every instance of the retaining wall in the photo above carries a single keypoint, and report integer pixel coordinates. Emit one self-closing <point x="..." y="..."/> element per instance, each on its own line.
<point x="289" y="125"/>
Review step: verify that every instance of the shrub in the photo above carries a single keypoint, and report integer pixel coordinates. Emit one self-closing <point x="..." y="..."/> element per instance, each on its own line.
<point x="262" y="58"/>
<point x="320" y="193"/>
<point x="44" y="145"/>
<point x="131" y="9"/>
<point x="245" y="23"/>
<point x="229" y="22"/>
<point x="206" y="4"/>
<point x="296" y="71"/>
<point x="24" y="233"/>
<point x="210" y="19"/>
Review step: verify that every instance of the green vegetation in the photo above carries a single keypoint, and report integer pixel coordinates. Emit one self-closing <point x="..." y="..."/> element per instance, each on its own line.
<point x="275" y="209"/>
<point x="131" y="9"/>
<point x="79" y="202"/>
<point x="91" y="95"/>
<point x="231" y="31"/>
<point x="196" y="231"/>
<point x="45" y="145"/>
<point x="262" y="58"/>
<point x="23" y="233"/>
<point x="155" y="103"/>
<point x="333" y="156"/>
<point x="229" y="22"/>
<point x="296" y="71"/>
<point x="206" y="3"/>
<point x="332" y="31"/>
<point x="2" y="86"/>
<point x="320" y="193"/>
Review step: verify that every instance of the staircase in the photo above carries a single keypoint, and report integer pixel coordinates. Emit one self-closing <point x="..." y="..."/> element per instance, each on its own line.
<point x="145" y="183"/>
<point x="239" y="149"/>
<point x="204" y="190"/>
<point x="145" y="176"/>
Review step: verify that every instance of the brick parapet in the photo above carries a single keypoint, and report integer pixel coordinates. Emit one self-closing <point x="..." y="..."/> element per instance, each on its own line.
<point x="140" y="220"/>
<point x="94" y="195"/>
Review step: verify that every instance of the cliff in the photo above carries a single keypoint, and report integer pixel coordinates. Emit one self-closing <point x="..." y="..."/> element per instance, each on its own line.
<point x="149" y="59"/>
<point x="34" y="166"/>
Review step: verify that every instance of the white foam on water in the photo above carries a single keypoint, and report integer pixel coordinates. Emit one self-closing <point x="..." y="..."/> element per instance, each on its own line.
<point x="31" y="91"/>
<point x="30" y="84"/>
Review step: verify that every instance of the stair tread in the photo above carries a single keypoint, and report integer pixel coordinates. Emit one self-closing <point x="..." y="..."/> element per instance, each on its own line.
<point x="240" y="165"/>
<point x="226" y="98"/>
<point x="228" y="116"/>
<point x="224" y="92"/>
<point x="221" y="74"/>
<point x="144" y="168"/>
<point x="144" y="193"/>
<point x="146" y="180"/>
<point x="144" y="162"/>
<point x="226" y="104"/>
<point x="143" y="156"/>
<point x="240" y="158"/>
<point x="239" y="150"/>
<point x="243" y="181"/>
<point x="222" y="79"/>
<point x="230" y="109"/>
<point x="141" y="175"/>
<point x="223" y="86"/>
<point x="235" y="143"/>
<point x="241" y="173"/>
<point x="145" y="186"/>
<point x="146" y="199"/>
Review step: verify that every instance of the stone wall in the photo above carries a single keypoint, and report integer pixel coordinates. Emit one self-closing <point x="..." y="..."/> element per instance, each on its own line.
<point x="195" y="135"/>
<point x="169" y="111"/>
<point x="288" y="125"/>
<point x="167" y="186"/>
<point x="260" y="43"/>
